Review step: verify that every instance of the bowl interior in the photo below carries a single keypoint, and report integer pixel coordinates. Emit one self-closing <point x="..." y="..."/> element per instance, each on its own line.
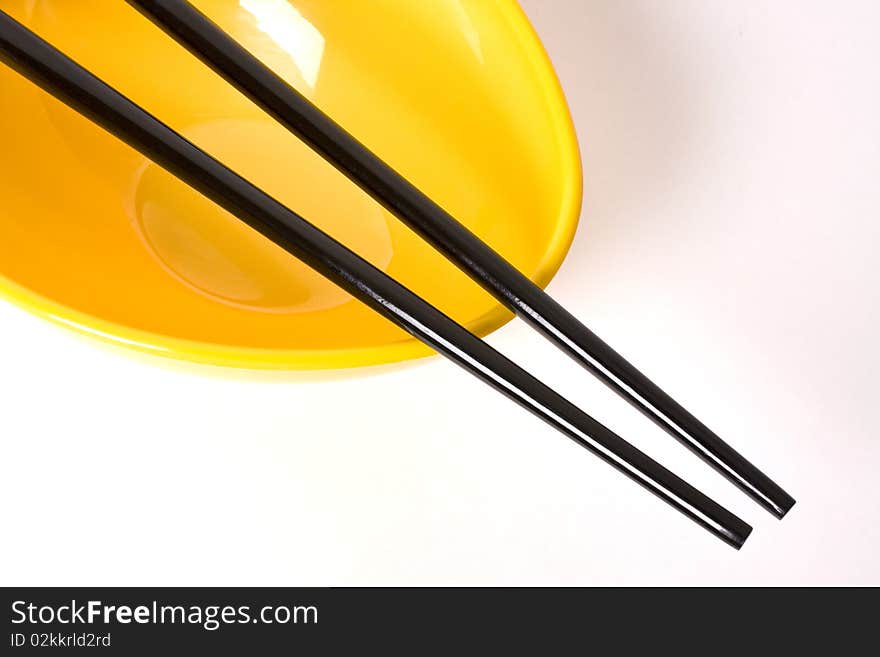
<point x="457" y="95"/>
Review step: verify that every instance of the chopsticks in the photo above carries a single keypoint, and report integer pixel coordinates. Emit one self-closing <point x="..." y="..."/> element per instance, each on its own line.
<point x="60" y="76"/>
<point x="218" y="50"/>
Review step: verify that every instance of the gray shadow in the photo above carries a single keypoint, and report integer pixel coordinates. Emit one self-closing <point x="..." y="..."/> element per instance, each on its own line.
<point x="637" y="107"/>
<point x="261" y="375"/>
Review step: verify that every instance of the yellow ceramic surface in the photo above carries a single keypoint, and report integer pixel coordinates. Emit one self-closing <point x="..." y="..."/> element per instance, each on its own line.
<point x="457" y="95"/>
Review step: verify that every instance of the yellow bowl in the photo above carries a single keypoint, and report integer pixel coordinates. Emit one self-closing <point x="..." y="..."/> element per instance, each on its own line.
<point x="457" y="95"/>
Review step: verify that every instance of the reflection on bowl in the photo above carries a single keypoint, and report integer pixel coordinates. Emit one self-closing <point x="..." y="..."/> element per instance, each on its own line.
<point x="215" y="254"/>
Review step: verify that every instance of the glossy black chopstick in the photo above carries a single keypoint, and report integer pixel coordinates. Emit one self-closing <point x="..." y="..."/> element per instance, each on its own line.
<point x="63" y="78"/>
<point x="217" y="49"/>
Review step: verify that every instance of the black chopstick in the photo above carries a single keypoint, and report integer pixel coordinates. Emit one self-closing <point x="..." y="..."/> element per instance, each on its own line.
<point x="66" y="80"/>
<point x="217" y="49"/>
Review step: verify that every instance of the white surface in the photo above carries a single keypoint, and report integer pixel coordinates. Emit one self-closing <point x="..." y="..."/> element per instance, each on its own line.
<point x="728" y="247"/>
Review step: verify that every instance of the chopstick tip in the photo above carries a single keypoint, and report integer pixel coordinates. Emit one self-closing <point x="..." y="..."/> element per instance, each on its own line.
<point x="784" y="508"/>
<point x="739" y="539"/>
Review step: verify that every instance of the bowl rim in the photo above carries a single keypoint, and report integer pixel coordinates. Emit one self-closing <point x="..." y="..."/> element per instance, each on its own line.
<point x="318" y="359"/>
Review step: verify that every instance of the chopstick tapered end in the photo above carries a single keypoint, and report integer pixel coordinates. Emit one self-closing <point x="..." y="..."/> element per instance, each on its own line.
<point x="785" y="507"/>
<point x="739" y="539"/>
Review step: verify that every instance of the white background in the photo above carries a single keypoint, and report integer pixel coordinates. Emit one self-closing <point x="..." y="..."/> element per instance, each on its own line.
<point x="728" y="247"/>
